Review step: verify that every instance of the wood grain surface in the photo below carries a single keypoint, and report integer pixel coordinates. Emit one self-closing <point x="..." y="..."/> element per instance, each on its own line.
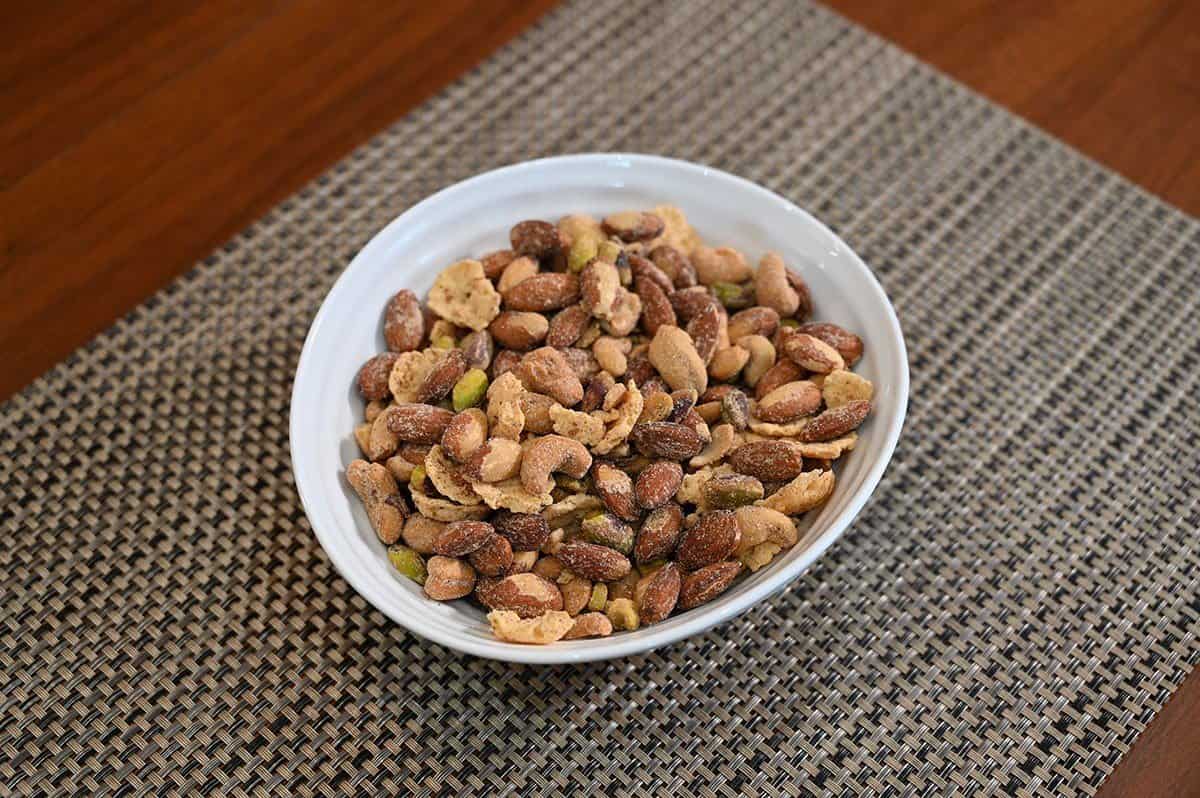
<point x="136" y="137"/>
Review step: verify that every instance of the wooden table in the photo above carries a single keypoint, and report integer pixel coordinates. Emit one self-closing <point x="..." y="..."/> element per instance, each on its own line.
<point x="136" y="137"/>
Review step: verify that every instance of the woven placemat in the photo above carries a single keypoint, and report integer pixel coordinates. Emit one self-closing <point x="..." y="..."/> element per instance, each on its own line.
<point x="1013" y="606"/>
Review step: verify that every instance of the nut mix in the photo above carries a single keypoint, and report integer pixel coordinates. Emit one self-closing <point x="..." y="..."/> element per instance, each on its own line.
<point x="605" y="424"/>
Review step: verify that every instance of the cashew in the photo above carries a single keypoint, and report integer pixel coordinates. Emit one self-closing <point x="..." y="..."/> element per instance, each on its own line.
<point x="762" y="357"/>
<point x="446" y="477"/>
<point x="496" y="460"/>
<point x="841" y="386"/>
<point x="547" y="371"/>
<point x="806" y="491"/>
<point x="409" y="372"/>
<point x="771" y="286"/>
<point x="722" y="265"/>
<point x="726" y="363"/>
<point x="440" y="509"/>
<point x="463" y="294"/>
<point x="550" y="454"/>
<point x="587" y="429"/>
<point x="674" y="355"/>
<point x="724" y="439"/>
<point x="758" y="524"/>
<point x="420" y="532"/>
<point x="547" y="628"/>
<point x="626" y="415"/>
<point x="448" y="578"/>
<point x="510" y="494"/>
<point x="610" y="354"/>
<point x="505" y="417"/>
<point x="375" y="486"/>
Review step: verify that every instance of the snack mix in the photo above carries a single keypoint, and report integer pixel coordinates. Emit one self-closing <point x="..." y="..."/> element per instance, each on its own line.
<point x="605" y="424"/>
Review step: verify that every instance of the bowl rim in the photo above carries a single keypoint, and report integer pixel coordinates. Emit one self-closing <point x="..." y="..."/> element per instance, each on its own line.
<point x="603" y="648"/>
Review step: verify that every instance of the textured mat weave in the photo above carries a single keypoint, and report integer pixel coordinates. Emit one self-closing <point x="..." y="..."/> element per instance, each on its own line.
<point x="1011" y="609"/>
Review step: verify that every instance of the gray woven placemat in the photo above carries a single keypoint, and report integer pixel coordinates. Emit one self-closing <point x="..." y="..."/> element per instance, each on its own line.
<point x="1013" y="606"/>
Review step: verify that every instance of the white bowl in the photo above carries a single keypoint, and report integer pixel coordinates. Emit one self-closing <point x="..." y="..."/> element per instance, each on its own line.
<point x="474" y="217"/>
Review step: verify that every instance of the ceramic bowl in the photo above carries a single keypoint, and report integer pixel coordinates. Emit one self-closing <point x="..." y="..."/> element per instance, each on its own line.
<point x="474" y="217"/>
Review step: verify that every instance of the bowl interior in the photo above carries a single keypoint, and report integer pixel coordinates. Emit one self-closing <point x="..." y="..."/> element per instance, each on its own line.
<point x="472" y="218"/>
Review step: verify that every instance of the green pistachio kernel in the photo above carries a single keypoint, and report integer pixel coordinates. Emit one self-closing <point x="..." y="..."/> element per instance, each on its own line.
<point x="470" y="389"/>
<point x="599" y="597"/>
<point x="407" y="562"/>
<point x="582" y="251"/>
<point x="416" y="480"/>
<point x="734" y="296"/>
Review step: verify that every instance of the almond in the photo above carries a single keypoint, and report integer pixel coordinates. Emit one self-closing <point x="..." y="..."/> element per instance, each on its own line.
<point x="789" y="402"/>
<point x="836" y="422"/>
<point x="783" y="372"/>
<point x="417" y="423"/>
<point x="639" y="369"/>
<point x="526" y="532"/>
<point x="688" y="302"/>
<point x="536" y="239"/>
<point x="712" y="539"/>
<point x="632" y="226"/>
<point x="848" y="345"/>
<point x="403" y="322"/>
<point x="465" y="433"/>
<point x="599" y="287"/>
<point x="666" y="440"/>
<point x="373" y="376"/>
<point x="542" y="292"/>
<point x="657" y="483"/>
<point x="659" y="533"/>
<point x="682" y="403"/>
<point x="660" y="594"/>
<point x="517" y="329"/>
<point x="674" y="264"/>
<point x="753" y="321"/>
<point x="504" y="361"/>
<point x="567" y="325"/>
<point x="493" y="558"/>
<point x="615" y="489"/>
<point x="591" y="561"/>
<point x="460" y="538"/>
<point x="656" y="308"/>
<point x="526" y="594"/>
<point x="707" y="583"/>
<point x="582" y="362"/>
<point x="494" y="263"/>
<point x="641" y="268"/>
<point x="442" y="377"/>
<point x="812" y="353"/>
<point x="769" y="461"/>
<point x="705" y="330"/>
